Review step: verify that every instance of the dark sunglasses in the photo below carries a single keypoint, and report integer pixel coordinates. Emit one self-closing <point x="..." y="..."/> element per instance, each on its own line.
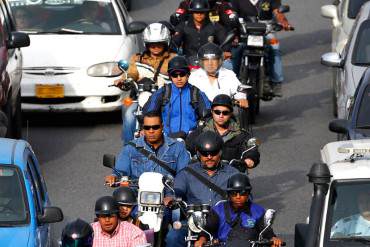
<point x="207" y="153"/>
<point x="241" y="193"/>
<point x="105" y="215"/>
<point x="154" y="127"/>
<point x="177" y="73"/>
<point x="218" y="112"/>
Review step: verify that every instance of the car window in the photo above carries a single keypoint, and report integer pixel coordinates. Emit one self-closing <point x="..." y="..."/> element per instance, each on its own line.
<point x="35" y="194"/>
<point x="354" y="7"/>
<point x="361" y="51"/>
<point x="363" y="117"/>
<point x="66" y="17"/>
<point x="13" y="200"/>
<point x="348" y="211"/>
<point x="38" y="179"/>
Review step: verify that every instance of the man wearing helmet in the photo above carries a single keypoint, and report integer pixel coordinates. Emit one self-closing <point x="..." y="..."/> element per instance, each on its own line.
<point x="193" y="190"/>
<point x="180" y="103"/>
<point x="77" y="233"/>
<point x="214" y="79"/>
<point x="127" y="201"/>
<point x="235" y="138"/>
<point x="237" y="220"/>
<point x="198" y="30"/>
<point x="110" y="230"/>
<point x="152" y="64"/>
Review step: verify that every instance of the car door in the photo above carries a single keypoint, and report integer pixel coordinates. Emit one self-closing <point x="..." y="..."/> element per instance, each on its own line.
<point x="41" y="200"/>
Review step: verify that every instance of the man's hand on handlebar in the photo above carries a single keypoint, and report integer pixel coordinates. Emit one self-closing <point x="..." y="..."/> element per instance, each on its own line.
<point x="243" y="103"/>
<point x="277" y="242"/>
<point x="110" y="179"/>
<point x="249" y="163"/>
<point x="200" y="242"/>
<point x="119" y="82"/>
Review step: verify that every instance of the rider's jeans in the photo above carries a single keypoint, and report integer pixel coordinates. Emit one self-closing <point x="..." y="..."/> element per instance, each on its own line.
<point x="275" y="61"/>
<point x="128" y="122"/>
<point x="176" y="238"/>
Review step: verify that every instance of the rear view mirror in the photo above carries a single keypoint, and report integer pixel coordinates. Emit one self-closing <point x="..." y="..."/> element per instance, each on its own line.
<point x="339" y="126"/>
<point x="329" y="11"/>
<point x="284" y="8"/>
<point x="243" y="88"/>
<point x="136" y="27"/>
<point x="230" y="36"/>
<point x="253" y="142"/>
<point x="109" y="160"/>
<point x="332" y="59"/>
<point x="18" y="40"/>
<point x="50" y="215"/>
<point x="269" y="217"/>
<point x="123" y="65"/>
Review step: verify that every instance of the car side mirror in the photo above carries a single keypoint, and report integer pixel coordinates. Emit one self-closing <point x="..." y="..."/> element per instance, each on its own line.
<point x="50" y="215"/>
<point x="109" y="160"/>
<point x="329" y="11"/>
<point x="18" y="40"/>
<point x="332" y="59"/>
<point x="284" y="8"/>
<point x="300" y="234"/>
<point x="339" y="126"/>
<point x="136" y="27"/>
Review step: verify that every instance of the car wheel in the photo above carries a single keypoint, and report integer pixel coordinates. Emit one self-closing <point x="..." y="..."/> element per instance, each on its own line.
<point x="3" y="124"/>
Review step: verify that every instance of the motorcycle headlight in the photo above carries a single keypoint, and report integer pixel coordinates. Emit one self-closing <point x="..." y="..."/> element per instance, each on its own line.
<point x="195" y="221"/>
<point x="108" y="69"/>
<point x="147" y="197"/>
<point x="255" y="40"/>
<point x="143" y="98"/>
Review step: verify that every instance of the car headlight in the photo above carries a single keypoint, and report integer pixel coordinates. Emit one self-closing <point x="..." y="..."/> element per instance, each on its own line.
<point x="143" y="98"/>
<point x="107" y="69"/>
<point x="147" y="197"/>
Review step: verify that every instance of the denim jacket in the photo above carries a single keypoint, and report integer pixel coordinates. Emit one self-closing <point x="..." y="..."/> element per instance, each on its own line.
<point x="132" y="163"/>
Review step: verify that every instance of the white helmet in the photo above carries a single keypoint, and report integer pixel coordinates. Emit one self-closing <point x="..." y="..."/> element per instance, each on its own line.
<point x="156" y="33"/>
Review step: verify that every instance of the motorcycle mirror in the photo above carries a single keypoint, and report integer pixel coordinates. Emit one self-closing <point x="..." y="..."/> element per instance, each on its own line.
<point x="284" y="8"/>
<point x="244" y="88"/>
<point x="269" y="217"/>
<point x="253" y="142"/>
<point x="168" y="180"/>
<point x="109" y="160"/>
<point x="230" y="36"/>
<point x="123" y="65"/>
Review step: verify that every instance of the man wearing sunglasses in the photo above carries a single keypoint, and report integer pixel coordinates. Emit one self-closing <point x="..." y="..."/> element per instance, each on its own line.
<point x="181" y="104"/>
<point x="193" y="190"/>
<point x="237" y="220"/>
<point x="110" y="231"/>
<point x="132" y="162"/>
<point x="235" y="138"/>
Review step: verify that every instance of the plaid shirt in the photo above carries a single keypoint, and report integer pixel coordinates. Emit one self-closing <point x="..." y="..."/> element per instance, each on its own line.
<point x="125" y="235"/>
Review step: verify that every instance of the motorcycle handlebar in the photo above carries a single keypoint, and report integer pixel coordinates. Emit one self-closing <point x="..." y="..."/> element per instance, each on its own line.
<point x="265" y="243"/>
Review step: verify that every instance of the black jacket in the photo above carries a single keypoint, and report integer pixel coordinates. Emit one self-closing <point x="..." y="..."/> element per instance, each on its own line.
<point x="235" y="143"/>
<point x="191" y="39"/>
<point x="263" y="9"/>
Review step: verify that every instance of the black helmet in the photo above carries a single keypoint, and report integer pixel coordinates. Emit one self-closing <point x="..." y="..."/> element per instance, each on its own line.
<point x="199" y="6"/>
<point x="106" y="205"/>
<point x="178" y="63"/>
<point x="210" y="51"/>
<point x="209" y="141"/>
<point x="239" y="182"/>
<point x="223" y="100"/>
<point x="125" y="196"/>
<point x="77" y="233"/>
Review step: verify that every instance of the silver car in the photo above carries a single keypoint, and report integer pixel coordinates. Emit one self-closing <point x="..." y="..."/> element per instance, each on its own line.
<point x="350" y="63"/>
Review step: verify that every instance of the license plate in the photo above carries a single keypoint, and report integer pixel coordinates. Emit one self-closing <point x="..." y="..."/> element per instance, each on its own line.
<point x="254" y="40"/>
<point x="49" y="91"/>
<point x="214" y="18"/>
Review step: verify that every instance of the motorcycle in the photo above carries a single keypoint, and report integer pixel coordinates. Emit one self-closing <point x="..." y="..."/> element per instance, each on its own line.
<point x="239" y="164"/>
<point x="139" y="92"/>
<point x="151" y="188"/>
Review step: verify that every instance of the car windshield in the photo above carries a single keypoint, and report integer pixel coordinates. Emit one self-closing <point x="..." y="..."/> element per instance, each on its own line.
<point x="13" y="210"/>
<point x="354" y="7"/>
<point x="65" y="16"/>
<point x="349" y="213"/>
<point x="363" y="116"/>
<point x="361" y="53"/>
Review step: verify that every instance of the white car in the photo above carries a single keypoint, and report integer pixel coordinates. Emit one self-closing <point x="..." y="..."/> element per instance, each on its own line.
<point x="71" y="41"/>
<point x="350" y="63"/>
<point x="343" y="14"/>
<point x="340" y="206"/>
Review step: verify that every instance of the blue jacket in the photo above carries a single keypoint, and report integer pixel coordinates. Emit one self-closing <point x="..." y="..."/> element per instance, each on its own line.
<point x="132" y="163"/>
<point x="178" y="114"/>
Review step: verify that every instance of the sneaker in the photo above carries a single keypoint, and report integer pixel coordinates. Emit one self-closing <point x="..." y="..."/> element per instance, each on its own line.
<point x="277" y="90"/>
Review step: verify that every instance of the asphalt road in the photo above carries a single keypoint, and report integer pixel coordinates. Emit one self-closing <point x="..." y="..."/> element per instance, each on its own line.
<point x="292" y="129"/>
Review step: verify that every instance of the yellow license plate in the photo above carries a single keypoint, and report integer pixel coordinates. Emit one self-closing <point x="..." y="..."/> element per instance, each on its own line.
<point x="48" y="91"/>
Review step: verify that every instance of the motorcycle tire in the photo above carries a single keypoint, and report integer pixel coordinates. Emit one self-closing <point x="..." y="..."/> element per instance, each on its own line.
<point x="261" y="82"/>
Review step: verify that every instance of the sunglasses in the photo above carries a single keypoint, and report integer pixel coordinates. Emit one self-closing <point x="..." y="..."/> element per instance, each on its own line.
<point x="241" y="193"/>
<point x="154" y="127"/>
<point x="106" y="215"/>
<point x="218" y="112"/>
<point x="177" y="73"/>
<point x="207" y="153"/>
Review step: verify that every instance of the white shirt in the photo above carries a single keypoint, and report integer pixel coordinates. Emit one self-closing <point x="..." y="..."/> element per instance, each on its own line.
<point x="354" y="225"/>
<point x="226" y="83"/>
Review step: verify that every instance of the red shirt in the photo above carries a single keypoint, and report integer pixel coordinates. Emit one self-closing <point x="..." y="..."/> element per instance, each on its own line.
<point x="125" y="235"/>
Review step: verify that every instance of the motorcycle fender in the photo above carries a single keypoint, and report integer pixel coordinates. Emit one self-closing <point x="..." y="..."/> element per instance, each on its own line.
<point x="153" y="220"/>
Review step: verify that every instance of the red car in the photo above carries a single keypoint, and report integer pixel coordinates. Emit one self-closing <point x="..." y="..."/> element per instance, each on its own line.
<point x="10" y="73"/>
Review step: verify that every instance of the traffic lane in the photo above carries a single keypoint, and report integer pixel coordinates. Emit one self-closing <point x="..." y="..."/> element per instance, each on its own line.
<point x="153" y="10"/>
